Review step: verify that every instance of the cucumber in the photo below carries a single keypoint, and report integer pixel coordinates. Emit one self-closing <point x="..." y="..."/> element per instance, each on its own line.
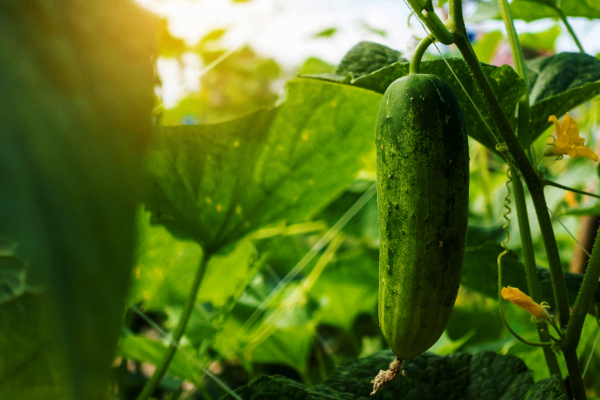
<point x="423" y="198"/>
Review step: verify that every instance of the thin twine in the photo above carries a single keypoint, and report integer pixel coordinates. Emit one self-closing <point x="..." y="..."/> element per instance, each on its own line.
<point x="570" y="234"/>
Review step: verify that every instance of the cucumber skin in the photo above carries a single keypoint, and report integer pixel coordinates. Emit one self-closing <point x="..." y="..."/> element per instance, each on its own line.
<point x="423" y="199"/>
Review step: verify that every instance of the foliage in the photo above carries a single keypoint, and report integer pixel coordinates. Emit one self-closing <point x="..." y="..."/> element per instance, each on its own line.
<point x="75" y="107"/>
<point x="483" y="375"/>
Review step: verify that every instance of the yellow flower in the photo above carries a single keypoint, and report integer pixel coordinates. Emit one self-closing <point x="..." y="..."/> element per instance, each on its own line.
<point x="519" y="298"/>
<point x="568" y="140"/>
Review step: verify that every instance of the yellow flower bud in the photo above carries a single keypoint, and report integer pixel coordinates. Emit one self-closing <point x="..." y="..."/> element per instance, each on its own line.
<point x="515" y="296"/>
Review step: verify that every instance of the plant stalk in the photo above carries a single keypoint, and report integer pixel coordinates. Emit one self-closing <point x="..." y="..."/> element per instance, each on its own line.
<point x="161" y="369"/>
<point x="415" y="61"/>
<point x="520" y="160"/>
<point x="547" y="182"/>
<point x="563" y="18"/>
<point x="523" y="131"/>
<point x="584" y="300"/>
<point x="531" y="179"/>
<point x="533" y="283"/>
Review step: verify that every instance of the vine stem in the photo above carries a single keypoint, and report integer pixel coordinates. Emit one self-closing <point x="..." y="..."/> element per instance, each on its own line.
<point x="533" y="282"/>
<point x="161" y="369"/>
<point x="533" y="182"/>
<point x="523" y="128"/>
<point x="584" y="298"/>
<point x="547" y="182"/>
<point x="415" y="61"/>
<point x="563" y="18"/>
<point x="503" y="244"/>
<point x="519" y="159"/>
<point x="524" y="134"/>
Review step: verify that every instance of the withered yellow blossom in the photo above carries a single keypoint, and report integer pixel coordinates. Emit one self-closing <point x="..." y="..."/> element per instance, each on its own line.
<point x="568" y="142"/>
<point x="515" y="296"/>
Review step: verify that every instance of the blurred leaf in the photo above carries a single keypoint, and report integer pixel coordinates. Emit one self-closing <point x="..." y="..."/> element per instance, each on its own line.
<point x="547" y="389"/>
<point x="505" y="83"/>
<point x="485" y="47"/>
<point x="166" y="267"/>
<point x="169" y="46"/>
<point x="329" y="32"/>
<point x="347" y="288"/>
<point x="212" y="36"/>
<point x="288" y="345"/>
<point x="367" y="57"/>
<point x="480" y="274"/>
<point x="363" y="226"/>
<point x="445" y="345"/>
<point x="543" y="41"/>
<point x="216" y="183"/>
<point x="374" y="30"/>
<point x="233" y="84"/>
<point x="144" y="349"/>
<point x="77" y="93"/>
<point x="485" y="375"/>
<point x="470" y="315"/>
<point x="314" y="65"/>
<point x="558" y="84"/>
<point x="477" y="235"/>
<point x="531" y="10"/>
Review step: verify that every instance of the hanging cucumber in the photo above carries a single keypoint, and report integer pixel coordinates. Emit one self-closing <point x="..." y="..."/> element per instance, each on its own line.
<point x="423" y="196"/>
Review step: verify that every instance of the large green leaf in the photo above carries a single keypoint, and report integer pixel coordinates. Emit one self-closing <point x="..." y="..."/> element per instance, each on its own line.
<point x="485" y="375"/>
<point x="531" y="10"/>
<point x="505" y="83"/>
<point x="77" y="91"/>
<point x="367" y="57"/>
<point x="547" y="389"/>
<point x="558" y="84"/>
<point x="218" y="182"/>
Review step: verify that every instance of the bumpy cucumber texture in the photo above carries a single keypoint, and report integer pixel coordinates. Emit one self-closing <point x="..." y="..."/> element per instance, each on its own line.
<point x="423" y="197"/>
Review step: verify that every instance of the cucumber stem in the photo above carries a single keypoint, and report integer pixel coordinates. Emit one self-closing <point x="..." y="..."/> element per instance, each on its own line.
<point x="415" y="61"/>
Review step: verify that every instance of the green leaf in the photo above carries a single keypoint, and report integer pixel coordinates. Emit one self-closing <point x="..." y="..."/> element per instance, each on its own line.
<point x="560" y="83"/>
<point x="166" y="267"/>
<point x="169" y="46"/>
<point x="485" y="46"/>
<point x="144" y="349"/>
<point x="347" y="289"/>
<point x="480" y="274"/>
<point x="529" y="10"/>
<point x="547" y="389"/>
<point x="77" y="94"/>
<point x="217" y="183"/>
<point x="485" y="375"/>
<point x="543" y="41"/>
<point x="505" y="83"/>
<point x="329" y="32"/>
<point x="313" y="65"/>
<point x="367" y="57"/>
